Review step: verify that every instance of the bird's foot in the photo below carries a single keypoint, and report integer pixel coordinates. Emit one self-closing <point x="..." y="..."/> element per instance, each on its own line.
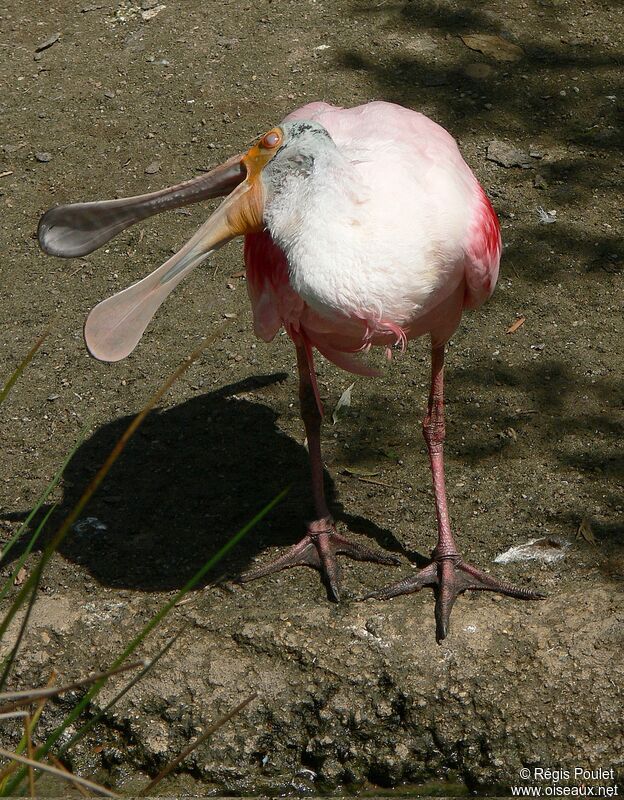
<point x="450" y="576"/>
<point x="318" y="549"/>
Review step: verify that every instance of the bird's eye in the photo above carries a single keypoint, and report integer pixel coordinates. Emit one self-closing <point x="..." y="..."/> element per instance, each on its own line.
<point x="271" y="140"/>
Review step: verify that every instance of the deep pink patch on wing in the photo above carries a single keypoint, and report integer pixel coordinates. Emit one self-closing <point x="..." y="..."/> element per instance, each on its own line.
<point x="267" y="283"/>
<point x="265" y="260"/>
<point x="483" y="254"/>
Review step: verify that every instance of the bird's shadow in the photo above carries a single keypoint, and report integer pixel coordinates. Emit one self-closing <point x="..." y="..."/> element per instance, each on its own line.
<point x="190" y="478"/>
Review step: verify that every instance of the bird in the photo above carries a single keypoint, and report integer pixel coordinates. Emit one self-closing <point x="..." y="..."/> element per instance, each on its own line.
<point x="363" y="227"/>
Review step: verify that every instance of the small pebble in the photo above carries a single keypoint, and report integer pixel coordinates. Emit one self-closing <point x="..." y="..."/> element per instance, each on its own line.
<point x="43" y="157"/>
<point x="223" y="41"/>
<point x="152" y="168"/>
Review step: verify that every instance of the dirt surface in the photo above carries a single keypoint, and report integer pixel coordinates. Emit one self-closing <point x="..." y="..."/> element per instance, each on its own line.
<point x="132" y="98"/>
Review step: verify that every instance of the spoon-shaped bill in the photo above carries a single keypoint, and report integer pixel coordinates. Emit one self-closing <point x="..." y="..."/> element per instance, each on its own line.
<point x="80" y="228"/>
<point x="115" y="326"/>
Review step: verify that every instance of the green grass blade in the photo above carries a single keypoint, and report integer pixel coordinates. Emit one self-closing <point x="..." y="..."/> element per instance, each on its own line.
<point x="13" y="784"/>
<point x="44" y="496"/>
<point x="66" y="776"/>
<point x="32" y="580"/>
<point x="22" y="559"/>
<point x="102" y="472"/>
<point x="81" y="732"/>
<point x="8" y="661"/>
<point x="160" y="615"/>
<point x="4" y="392"/>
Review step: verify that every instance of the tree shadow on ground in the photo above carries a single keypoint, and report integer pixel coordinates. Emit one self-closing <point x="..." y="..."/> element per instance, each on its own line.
<point x="528" y="90"/>
<point x="572" y="419"/>
<point x="561" y="93"/>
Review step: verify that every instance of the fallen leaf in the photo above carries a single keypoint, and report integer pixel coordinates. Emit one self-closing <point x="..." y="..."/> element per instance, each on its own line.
<point x="515" y="325"/>
<point x="48" y="43"/>
<point x="509" y="433"/>
<point x="585" y="531"/>
<point x="360" y="473"/>
<point x="343" y="402"/>
<point x="493" y="46"/>
<point x="507" y="155"/>
<point x="20" y="577"/>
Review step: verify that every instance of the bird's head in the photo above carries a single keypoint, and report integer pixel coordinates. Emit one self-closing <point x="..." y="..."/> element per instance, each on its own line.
<point x="256" y="184"/>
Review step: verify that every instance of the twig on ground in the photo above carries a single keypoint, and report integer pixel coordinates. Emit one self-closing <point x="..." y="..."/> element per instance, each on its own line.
<point x="14" y="714"/>
<point x="188" y="750"/>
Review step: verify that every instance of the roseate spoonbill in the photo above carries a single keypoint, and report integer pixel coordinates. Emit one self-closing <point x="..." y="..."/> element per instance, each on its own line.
<point x="363" y="227"/>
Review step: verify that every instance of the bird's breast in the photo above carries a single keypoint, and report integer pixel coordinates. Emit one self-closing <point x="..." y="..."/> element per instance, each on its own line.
<point x="376" y="255"/>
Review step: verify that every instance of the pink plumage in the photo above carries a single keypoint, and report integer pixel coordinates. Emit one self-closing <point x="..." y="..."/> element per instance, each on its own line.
<point x="376" y="139"/>
<point x="363" y="227"/>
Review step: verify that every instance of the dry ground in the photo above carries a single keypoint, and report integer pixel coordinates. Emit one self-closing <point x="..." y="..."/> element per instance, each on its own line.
<point x="360" y="693"/>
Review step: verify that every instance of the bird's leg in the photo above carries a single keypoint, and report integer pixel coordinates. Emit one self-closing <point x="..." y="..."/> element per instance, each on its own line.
<point x="447" y="573"/>
<point x="322" y="543"/>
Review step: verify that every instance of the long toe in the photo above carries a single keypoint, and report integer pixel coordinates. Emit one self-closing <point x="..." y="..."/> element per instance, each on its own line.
<point x="414" y="583"/>
<point x="319" y="549"/>
<point x="448" y="588"/>
<point x="450" y="577"/>
<point x="303" y="554"/>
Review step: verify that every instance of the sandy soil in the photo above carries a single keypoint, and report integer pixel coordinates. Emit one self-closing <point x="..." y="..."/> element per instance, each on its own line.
<point x="134" y="97"/>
